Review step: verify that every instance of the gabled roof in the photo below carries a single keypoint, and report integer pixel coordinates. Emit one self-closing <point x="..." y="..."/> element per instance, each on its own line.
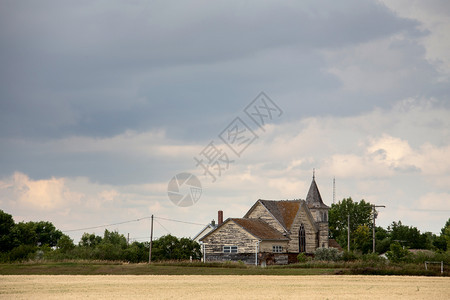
<point x="282" y="210"/>
<point x="203" y="230"/>
<point x="256" y="227"/>
<point x="313" y="199"/>
<point x="259" y="229"/>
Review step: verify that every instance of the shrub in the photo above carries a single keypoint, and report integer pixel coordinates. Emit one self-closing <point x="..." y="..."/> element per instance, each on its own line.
<point x="22" y="252"/>
<point x="301" y="258"/>
<point x="349" y="256"/>
<point x="397" y="253"/>
<point x="327" y="254"/>
<point x="372" y="257"/>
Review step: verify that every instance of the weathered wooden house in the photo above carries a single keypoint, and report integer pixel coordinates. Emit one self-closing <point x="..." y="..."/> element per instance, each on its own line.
<point x="271" y="232"/>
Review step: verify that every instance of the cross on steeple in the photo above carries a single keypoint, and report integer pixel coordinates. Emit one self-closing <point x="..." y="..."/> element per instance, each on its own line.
<point x="314" y="173"/>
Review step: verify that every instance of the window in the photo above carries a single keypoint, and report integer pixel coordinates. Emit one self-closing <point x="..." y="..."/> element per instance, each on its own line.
<point x="277" y="249"/>
<point x="302" y="239"/>
<point x="229" y="249"/>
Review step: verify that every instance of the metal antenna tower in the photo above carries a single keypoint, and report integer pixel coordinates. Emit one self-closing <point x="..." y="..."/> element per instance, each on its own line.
<point x="334" y="189"/>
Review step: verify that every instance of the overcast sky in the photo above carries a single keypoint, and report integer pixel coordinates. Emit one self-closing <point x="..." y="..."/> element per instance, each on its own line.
<point x="103" y="102"/>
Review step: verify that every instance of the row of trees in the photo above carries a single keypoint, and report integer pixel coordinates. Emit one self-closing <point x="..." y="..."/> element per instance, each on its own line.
<point x="31" y="240"/>
<point x="361" y="230"/>
<point x="28" y="240"/>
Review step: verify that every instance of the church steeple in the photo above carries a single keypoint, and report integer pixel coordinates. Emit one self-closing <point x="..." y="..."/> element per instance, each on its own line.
<point x="313" y="199"/>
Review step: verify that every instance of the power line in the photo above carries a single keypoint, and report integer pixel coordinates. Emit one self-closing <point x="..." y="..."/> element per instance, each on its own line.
<point x="178" y="221"/>
<point x="163" y="226"/>
<point x="107" y="225"/>
<point x="130" y="221"/>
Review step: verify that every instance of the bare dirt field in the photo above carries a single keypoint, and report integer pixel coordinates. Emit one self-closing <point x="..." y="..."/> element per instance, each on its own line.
<point x="218" y="287"/>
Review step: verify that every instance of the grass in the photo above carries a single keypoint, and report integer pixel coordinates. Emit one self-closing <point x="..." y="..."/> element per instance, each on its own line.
<point x="167" y="268"/>
<point x="84" y="267"/>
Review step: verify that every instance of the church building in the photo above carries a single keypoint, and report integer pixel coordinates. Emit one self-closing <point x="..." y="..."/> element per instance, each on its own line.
<point x="271" y="232"/>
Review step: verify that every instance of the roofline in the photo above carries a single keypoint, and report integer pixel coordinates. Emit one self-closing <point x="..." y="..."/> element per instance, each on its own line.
<point x="217" y="227"/>
<point x="310" y="216"/>
<point x="260" y="200"/>
<point x="231" y="219"/>
<point x="209" y="225"/>
<point x="258" y="238"/>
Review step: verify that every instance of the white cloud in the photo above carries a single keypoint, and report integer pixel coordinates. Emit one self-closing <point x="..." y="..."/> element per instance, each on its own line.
<point x="45" y="195"/>
<point x="371" y="155"/>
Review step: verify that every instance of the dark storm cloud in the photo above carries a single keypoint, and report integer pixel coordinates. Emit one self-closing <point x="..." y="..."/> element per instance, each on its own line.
<point x="99" y="68"/>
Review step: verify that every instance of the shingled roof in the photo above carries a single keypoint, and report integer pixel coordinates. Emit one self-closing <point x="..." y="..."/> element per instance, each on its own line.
<point x="259" y="229"/>
<point x="313" y="199"/>
<point x="283" y="210"/>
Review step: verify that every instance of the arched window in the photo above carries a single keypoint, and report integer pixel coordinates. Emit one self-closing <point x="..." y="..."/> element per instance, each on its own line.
<point x="302" y="239"/>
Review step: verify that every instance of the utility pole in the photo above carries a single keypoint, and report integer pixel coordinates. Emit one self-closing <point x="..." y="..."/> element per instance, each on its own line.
<point x="374" y="214"/>
<point x="348" y="234"/>
<point x="151" y="242"/>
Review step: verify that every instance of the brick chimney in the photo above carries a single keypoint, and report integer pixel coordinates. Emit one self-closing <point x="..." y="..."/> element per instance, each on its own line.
<point x="220" y="218"/>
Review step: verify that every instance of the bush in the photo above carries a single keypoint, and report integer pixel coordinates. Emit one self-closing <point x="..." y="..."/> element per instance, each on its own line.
<point x="302" y="258"/>
<point x="373" y="257"/>
<point x="349" y="256"/>
<point x="398" y="254"/>
<point x="22" y="252"/>
<point x="327" y="254"/>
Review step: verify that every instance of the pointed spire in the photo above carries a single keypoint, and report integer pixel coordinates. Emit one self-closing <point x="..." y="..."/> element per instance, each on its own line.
<point x="314" y="199"/>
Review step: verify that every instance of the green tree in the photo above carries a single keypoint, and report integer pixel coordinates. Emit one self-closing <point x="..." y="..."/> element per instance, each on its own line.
<point x="408" y="236"/>
<point x="445" y="235"/>
<point x="136" y="252"/>
<point x="24" y="234"/>
<point x="362" y="238"/>
<point x="36" y="233"/>
<point x="46" y="233"/>
<point x="65" y="244"/>
<point x="114" y="238"/>
<point x="6" y="232"/>
<point x="189" y="248"/>
<point x="397" y="253"/>
<point x="90" y="240"/>
<point x="112" y="246"/>
<point x="360" y="215"/>
<point x="170" y="247"/>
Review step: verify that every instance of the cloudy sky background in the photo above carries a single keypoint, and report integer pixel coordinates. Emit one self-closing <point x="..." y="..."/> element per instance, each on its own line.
<point x="102" y="102"/>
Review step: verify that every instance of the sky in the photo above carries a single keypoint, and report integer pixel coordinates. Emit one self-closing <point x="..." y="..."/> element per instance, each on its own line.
<point x="102" y="103"/>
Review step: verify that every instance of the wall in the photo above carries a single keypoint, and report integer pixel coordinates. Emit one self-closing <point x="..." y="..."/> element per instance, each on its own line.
<point x="230" y="234"/>
<point x="261" y="212"/>
<point x="323" y="234"/>
<point x="311" y="236"/>
<point x="266" y="246"/>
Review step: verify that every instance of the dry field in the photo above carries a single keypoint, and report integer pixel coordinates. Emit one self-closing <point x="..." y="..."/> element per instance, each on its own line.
<point x="217" y="287"/>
